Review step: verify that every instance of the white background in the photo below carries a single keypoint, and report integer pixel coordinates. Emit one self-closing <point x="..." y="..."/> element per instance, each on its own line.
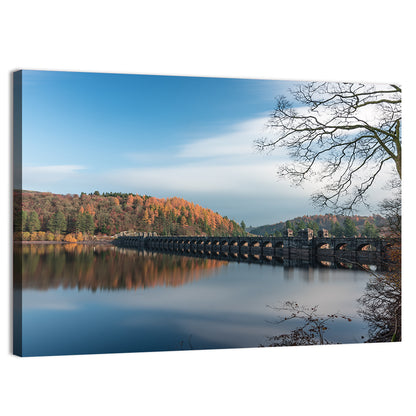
<point x="299" y="40"/>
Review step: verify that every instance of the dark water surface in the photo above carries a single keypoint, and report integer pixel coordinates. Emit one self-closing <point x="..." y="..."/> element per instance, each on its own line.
<point x="81" y="299"/>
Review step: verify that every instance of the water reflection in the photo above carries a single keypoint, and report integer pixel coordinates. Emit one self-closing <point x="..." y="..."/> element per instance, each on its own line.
<point x="107" y="267"/>
<point x="321" y="260"/>
<point x="80" y="299"/>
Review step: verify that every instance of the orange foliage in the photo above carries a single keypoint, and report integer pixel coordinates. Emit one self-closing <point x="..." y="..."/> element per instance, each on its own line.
<point x="90" y="210"/>
<point x="115" y="270"/>
<point x="70" y="238"/>
<point x="117" y="212"/>
<point x="130" y="200"/>
<point x="146" y="217"/>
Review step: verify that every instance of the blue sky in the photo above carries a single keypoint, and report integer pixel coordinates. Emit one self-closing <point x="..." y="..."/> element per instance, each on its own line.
<point x="190" y="137"/>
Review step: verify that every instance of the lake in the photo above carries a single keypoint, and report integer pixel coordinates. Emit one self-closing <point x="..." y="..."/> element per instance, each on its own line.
<point x="81" y="299"/>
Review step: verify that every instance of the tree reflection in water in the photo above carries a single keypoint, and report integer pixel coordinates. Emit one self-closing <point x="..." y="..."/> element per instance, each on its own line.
<point x="107" y="267"/>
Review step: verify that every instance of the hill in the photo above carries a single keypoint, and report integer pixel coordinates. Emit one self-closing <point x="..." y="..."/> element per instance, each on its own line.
<point x="110" y="213"/>
<point x="335" y="224"/>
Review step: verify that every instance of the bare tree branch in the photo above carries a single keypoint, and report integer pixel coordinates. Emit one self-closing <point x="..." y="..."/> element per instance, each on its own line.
<point x="345" y="132"/>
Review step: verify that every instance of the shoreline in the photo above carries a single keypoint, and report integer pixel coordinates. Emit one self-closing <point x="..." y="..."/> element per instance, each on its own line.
<point x="88" y="242"/>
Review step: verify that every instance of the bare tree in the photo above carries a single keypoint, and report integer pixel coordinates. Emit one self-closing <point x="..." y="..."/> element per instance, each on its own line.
<point x="391" y="209"/>
<point x="344" y="134"/>
<point x="382" y="306"/>
<point x="381" y="303"/>
<point x="312" y="327"/>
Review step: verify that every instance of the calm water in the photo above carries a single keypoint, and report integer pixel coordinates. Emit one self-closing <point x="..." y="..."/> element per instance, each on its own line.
<point x="81" y="299"/>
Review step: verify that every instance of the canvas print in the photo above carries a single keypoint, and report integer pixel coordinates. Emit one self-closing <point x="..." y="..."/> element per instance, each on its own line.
<point x="166" y="213"/>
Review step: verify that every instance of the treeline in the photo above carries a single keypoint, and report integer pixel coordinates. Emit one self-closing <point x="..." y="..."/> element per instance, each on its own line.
<point x="86" y="215"/>
<point x="337" y="225"/>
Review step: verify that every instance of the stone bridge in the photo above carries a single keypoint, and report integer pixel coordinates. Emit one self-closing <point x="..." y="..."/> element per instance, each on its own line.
<point x="306" y="248"/>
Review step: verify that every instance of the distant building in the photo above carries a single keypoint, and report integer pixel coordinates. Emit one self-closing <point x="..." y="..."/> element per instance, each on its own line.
<point x="323" y="233"/>
<point x="306" y="233"/>
<point x="288" y="232"/>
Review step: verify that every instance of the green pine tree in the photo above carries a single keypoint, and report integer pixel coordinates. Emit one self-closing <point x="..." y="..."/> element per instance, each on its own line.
<point x="33" y="223"/>
<point x="89" y="223"/>
<point x="20" y="221"/>
<point x="288" y="225"/>
<point x="337" y="229"/>
<point x="370" y="230"/>
<point x="85" y="223"/>
<point x="300" y="225"/>
<point x="313" y="225"/>
<point x="350" y="230"/>
<point x="80" y="224"/>
<point x="57" y="224"/>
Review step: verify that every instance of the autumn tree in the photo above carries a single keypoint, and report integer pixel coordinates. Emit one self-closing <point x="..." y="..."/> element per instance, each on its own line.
<point x="111" y="212"/>
<point x="130" y="200"/>
<point x="343" y="134"/>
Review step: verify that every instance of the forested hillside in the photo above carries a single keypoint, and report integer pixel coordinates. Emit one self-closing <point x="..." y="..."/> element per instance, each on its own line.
<point x="337" y="225"/>
<point x="110" y="213"/>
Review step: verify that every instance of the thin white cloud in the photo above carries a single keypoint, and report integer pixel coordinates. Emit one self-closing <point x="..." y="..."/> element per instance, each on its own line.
<point x="146" y="158"/>
<point x="223" y="163"/>
<point x="237" y="142"/>
<point x="35" y="177"/>
<point x="208" y="176"/>
<point x="52" y="169"/>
